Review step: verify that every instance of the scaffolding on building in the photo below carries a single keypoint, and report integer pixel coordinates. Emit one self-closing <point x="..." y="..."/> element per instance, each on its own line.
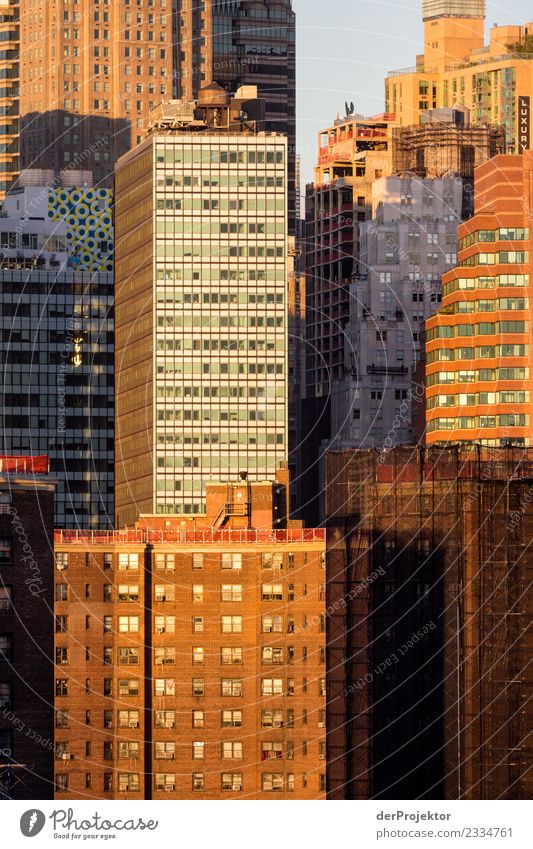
<point x="451" y="527"/>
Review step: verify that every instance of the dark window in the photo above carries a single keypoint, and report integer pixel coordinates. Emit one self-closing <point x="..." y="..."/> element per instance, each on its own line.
<point x="6" y="554"/>
<point x="6" y="647"/>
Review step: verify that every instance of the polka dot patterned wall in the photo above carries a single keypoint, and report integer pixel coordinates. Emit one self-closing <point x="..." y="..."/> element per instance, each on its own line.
<point x="87" y="213"/>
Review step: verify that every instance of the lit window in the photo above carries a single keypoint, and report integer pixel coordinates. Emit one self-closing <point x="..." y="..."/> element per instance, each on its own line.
<point x="128" y="561"/>
<point x="231" y="624"/>
<point x="232" y="782"/>
<point x="198" y="654"/>
<point x="272" y="686"/>
<point x="231" y="750"/>
<point x="231" y="655"/>
<point x="128" y="624"/>
<point x="231" y="561"/>
<point x="231" y="718"/>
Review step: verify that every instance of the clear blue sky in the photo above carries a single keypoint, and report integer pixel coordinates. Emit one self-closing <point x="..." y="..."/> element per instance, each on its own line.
<point x="346" y="47"/>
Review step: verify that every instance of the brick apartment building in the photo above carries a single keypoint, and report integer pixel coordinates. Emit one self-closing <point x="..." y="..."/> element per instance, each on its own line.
<point x="26" y="628"/>
<point x="429" y="633"/>
<point x="191" y="655"/>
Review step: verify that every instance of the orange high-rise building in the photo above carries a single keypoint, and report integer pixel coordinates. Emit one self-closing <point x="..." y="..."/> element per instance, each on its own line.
<point x="90" y="73"/>
<point x="478" y="372"/>
<point x="494" y="80"/>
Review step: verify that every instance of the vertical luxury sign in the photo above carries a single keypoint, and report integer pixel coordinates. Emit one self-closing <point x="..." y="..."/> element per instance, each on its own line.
<point x="524" y="131"/>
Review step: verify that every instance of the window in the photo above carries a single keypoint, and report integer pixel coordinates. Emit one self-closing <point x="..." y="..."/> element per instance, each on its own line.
<point x="61" y="592"/>
<point x="272" y="592"/>
<point x="165" y="751"/>
<point x="231" y="561"/>
<point x="231" y="624"/>
<point x="197" y="593"/>
<point x="128" y="592"/>
<point x="197" y="625"/>
<point x="232" y="782"/>
<point x="165" y="687"/>
<point x="128" y="656"/>
<point x="231" y="750"/>
<point x="272" y="719"/>
<point x="61" y="782"/>
<point x="272" y="782"/>
<point x="108" y="592"/>
<point x="128" y="562"/>
<point x="128" y="749"/>
<point x="322" y="687"/>
<point x="108" y="624"/>
<point x="197" y="561"/>
<point x="231" y="718"/>
<point x="270" y="655"/>
<point x="164" y="592"/>
<point x="165" y="656"/>
<point x="198" y="782"/>
<point x="198" y="687"/>
<point x="5" y="599"/>
<point x="271" y="624"/>
<point x="61" y="624"/>
<point x="231" y="655"/>
<point x="128" y="719"/>
<point x="271" y="751"/>
<point x="61" y="687"/>
<point x="128" y="782"/>
<point x="108" y="781"/>
<point x="272" y="561"/>
<point x="6" y="694"/>
<point x="62" y="718"/>
<point x="231" y="592"/>
<point x="231" y="687"/>
<point x="108" y="561"/>
<point x="62" y="557"/>
<point x="108" y="656"/>
<point x="128" y="687"/>
<point x="61" y="656"/>
<point x="272" y="686"/>
<point x="198" y="654"/>
<point x="197" y="719"/>
<point x="165" y="624"/>
<point x="127" y="624"/>
<point x="165" y="719"/>
<point x="165" y="562"/>
<point x="198" y="749"/>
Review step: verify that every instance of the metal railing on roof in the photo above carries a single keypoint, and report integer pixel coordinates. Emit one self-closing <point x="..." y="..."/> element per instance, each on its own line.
<point x="206" y="536"/>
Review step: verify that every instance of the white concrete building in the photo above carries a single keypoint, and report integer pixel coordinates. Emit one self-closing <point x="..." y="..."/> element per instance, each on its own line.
<point x="201" y="227"/>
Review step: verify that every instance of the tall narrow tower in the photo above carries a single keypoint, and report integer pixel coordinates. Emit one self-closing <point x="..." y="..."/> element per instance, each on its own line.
<point x="201" y="312"/>
<point x="243" y="42"/>
<point x="452" y="30"/>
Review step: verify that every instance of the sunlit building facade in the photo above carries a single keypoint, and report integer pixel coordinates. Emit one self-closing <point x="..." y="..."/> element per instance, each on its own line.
<point x="478" y="349"/>
<point x="494" y="81"/>
<point x="201" y="259"/>
<point x="197" y="668"/>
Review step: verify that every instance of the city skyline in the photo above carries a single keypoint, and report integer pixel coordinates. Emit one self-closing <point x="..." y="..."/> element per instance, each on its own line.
<point x="266" y="510"/>
<point x="381" y="28"/>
